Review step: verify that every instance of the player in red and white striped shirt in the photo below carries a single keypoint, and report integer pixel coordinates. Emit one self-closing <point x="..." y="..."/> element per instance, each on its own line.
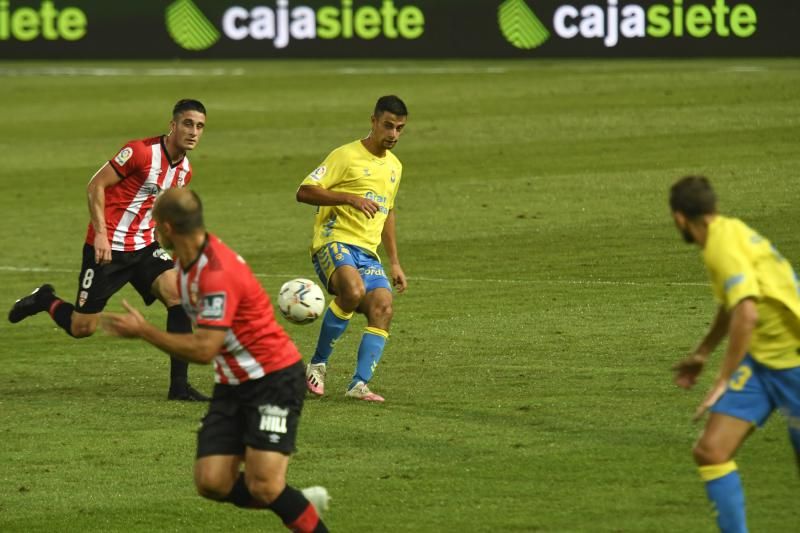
<point x="258" y="397"/>
<point x="120" y="245"/>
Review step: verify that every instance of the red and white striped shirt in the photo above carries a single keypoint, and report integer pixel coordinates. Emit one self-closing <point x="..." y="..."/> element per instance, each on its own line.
<point x="145" y="170"/>
<point x="218" y="290"/>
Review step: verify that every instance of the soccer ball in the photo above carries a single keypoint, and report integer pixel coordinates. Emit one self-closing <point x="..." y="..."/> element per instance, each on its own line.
<point x="301" y="301"/>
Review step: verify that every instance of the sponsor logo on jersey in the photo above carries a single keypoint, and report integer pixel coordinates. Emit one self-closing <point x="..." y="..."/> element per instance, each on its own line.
<point x="273" y="420"/>
<point x="213" y="307"/>
<point x="123" y="156"/>
<point x="318" y="173"/>
<point x="382" y="200"/>
<point x="151" y="189"/>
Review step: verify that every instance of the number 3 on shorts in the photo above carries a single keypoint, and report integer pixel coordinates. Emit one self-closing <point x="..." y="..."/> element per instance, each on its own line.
<point x="87" y="278"/>
<point x="740" y="378"/>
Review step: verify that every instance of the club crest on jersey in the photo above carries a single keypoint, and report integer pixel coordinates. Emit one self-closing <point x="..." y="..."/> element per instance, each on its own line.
<point x="181" y="179"/>
<point x="124" y="155"/>
<point x="318" y="173"/>
<point x="213" y="307"/>
<point x="393" y="178"/>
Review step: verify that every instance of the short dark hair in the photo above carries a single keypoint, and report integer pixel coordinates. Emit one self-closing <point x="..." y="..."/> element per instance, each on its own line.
<point x="187" y="105"/>
<point x="693" y="196"/>
<point x="182" y="208"/>
<point x="392" y="104"/>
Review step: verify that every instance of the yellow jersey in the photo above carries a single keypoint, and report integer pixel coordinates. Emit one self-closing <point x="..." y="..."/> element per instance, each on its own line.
<point x="743" y="264"/>
<point x="354" y="169"/>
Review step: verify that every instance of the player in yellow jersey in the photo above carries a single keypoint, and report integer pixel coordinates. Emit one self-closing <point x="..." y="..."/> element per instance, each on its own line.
<point x="355" y="189"/>
<point x="759" y="310"/>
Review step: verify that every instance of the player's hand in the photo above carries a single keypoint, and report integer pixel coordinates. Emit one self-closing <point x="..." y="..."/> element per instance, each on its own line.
<point x="720" y="385"/>
<point x="399" y="280"/>
<point x="102" y="249"/>
<point x="365" y="205"/>
<point x="687" y="370"/>
<point x="126" y="325"/>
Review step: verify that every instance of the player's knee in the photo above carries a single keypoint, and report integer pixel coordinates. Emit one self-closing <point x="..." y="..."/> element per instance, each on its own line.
<point x="83" y="328"/>
<point x="706" y="454"/>
<point x="353" y="293"/>
<point x="210" y="492"/>
<point x="382" y="312"/>
<point x="213" y="488"/>
<point x="266" y="490"/>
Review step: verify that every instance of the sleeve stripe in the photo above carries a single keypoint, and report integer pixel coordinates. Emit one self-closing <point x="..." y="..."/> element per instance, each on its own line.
<point x="111" y="164"/>
<point x="733" y="281"/>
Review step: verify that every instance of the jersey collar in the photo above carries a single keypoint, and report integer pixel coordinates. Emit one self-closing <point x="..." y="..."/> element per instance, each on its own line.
<point x="169" y="157"/>
<point x="194" y="261"/>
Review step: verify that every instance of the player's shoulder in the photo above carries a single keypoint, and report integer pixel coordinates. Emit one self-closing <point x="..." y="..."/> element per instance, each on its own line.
<point x="146" y="142"/>
<point x="130" y="151"/>
<point x="345" y="151"/>
<point x="222" y="256"/>
<point x="727" y="237"/>
<point x="732" y="230"/>
<point x="134" y="148"/>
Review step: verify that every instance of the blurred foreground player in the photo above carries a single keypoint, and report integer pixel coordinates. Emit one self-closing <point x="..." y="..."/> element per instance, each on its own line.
<point x="260" y="386"/>
<point x="120" y="243"/>
<point x="759" y="311"/>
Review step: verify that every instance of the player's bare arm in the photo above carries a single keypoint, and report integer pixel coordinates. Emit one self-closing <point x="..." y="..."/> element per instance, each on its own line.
<point x="743" y="320"/>
<point x="688" y="369"/>
<point x="309" y="194"/>
<point x="96" y="192"/>
<point x="198" y="347"/>
<point x="389" y="241"/>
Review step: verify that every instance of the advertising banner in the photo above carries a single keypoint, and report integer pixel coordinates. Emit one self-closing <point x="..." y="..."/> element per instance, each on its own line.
<point x="152" y="29"/>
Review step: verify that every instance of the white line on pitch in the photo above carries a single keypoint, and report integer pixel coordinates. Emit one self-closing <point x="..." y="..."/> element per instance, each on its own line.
<point x="560" y="281"/>
<point x="441" y="280"/>
<point x="106" y="71"/>
<point x="744" y="68"/>
<point x="421" y="70"/>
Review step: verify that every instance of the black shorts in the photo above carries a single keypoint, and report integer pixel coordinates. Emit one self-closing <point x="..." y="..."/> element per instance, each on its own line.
<point x="98" y="283"/>
<point x="262" y="414"/>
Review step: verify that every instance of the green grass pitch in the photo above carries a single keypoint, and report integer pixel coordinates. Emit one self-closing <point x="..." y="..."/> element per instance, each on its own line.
<point x="527" y="376"/>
